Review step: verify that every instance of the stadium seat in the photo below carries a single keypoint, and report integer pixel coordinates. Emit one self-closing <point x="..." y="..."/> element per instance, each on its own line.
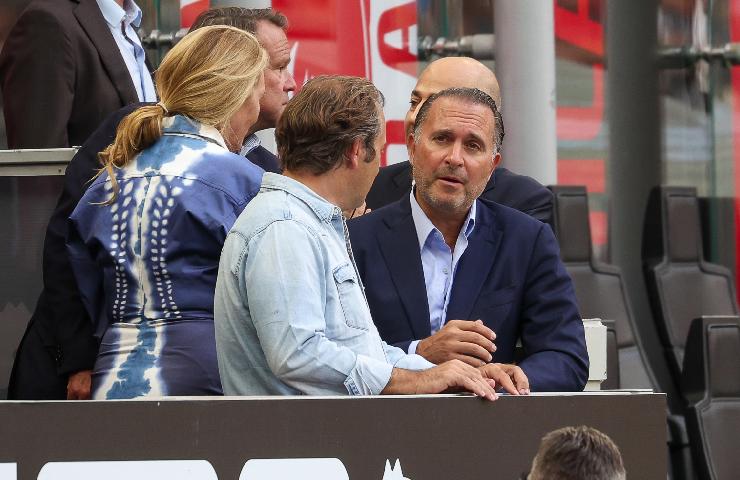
<point x="711" y="385"/>
<point x="681" y="285"/>
<point x="599" y="287"/>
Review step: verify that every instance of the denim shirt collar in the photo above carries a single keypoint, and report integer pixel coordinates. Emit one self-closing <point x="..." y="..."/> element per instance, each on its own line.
<point x="425" y="227"/>
<point x="323" y="209"/>
<point x="182" y="125"/>
<point x="114" y="14"/>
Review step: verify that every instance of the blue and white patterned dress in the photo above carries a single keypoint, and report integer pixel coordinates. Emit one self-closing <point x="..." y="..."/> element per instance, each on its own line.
<point x="146" y="265"/>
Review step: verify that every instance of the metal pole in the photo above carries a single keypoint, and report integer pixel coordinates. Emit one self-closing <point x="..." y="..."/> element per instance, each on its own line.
<point x="525" y="66"/>
<point x="634" y="152"/>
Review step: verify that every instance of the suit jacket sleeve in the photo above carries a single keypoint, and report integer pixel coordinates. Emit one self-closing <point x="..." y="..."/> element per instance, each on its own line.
<point x="552" y="331"/>
<point x="541" y="206"/>
<point x="520" y="192"/>
<point x="67" y="317"/>
<point x="265" y="159"/>
<point x="38" y="71"/>
<point x="390" y="185"/>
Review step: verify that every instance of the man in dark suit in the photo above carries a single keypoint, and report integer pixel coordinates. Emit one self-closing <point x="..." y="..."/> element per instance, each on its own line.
<point x="58" y="349"/>
<point x="449" y="276"/>
<point x="505" y="187"/>
<point x="63" y="71"/>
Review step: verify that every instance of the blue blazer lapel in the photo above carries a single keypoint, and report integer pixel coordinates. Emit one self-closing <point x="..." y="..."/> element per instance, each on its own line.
<point x="474" y="267"/>
<point x="399" y="245"/>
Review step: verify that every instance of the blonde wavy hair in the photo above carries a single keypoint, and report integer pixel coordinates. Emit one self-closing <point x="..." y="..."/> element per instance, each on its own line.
<point x="207" y="76"/>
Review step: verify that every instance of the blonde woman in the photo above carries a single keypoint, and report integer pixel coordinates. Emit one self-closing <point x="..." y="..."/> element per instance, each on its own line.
<point x="145" y="239"/>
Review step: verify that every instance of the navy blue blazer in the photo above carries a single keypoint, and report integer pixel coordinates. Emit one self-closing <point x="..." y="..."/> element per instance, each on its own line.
<point x="510" y="276"/>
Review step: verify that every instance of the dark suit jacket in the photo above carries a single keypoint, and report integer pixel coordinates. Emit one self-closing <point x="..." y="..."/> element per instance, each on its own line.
<point x="60" y="327"/>
<point x="516" y="191"/>
<point x="510" y="276"/>
<point x="62" y="74"/>
<point x="264" y="158"/>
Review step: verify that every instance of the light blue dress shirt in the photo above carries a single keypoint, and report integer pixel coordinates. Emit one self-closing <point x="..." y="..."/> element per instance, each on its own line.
<point x="121" y="22"/>
<point x="439" y="262"/>
<point x="290" y="312"/>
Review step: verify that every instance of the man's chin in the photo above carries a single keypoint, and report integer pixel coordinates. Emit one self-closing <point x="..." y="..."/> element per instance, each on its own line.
<point x="448" y="203"/>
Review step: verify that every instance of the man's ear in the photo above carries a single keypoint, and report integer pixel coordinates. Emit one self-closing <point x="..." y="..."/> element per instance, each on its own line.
<point x="496" y="160"/>
<point x="355" y="154"/>
<point x="411" y="147"/>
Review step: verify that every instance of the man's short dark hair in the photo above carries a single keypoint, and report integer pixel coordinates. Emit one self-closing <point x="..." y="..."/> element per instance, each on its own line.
<point x="320" y="124"/>
<point x="572" y="453"/>
<point x="471" y="95"/>
<point x="242" y="18"/>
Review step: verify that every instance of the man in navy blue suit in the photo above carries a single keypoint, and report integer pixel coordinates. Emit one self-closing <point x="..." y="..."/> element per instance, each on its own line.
<point x="505" y="187"/>
<point x="450" y="276"/>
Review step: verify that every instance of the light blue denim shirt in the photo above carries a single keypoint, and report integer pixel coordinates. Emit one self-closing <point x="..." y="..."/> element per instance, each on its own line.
<point x="439" y="262"/>
<point x="290" y="312"/>
<point x="121" y="23"/>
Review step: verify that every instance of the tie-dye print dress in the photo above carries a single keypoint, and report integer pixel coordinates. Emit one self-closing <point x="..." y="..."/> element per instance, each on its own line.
<point x="146" y="265"/>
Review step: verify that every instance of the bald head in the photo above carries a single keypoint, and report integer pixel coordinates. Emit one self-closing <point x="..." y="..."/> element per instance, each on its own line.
<point x="447" y="73"/>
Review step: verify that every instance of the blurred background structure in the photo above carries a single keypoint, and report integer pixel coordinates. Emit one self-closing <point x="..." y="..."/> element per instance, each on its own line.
<point x="391" y="40"/>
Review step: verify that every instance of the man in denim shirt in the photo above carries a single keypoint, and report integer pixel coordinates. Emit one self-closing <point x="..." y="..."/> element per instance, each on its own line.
<point x="290" y="311"/>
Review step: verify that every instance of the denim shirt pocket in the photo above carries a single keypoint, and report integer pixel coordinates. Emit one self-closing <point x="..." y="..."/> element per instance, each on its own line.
<point x="350" y="297"/>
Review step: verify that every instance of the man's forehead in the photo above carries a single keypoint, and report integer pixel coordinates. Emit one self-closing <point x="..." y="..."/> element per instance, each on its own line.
<point x="453" y="113"/>
<point x="273" y="39"/>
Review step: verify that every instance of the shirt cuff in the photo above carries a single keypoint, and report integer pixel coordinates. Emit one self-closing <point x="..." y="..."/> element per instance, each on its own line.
<point x="414" y="362"/>
<point x="368" y="377"/>
<point x="412" y="347"/>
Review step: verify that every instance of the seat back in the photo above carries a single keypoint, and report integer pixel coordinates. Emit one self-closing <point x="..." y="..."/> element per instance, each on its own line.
<point x="599" y="287"/>
<point x="711" y="384"/>
<point x="681" y="285"/>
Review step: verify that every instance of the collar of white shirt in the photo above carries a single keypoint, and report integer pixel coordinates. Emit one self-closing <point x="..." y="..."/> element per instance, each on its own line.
<point x="130" y="14"/>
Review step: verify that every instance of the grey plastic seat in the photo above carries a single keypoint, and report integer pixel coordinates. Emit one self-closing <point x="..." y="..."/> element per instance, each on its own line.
<point x="681" y="285"/>
<point x="711" y="386"/>
<point x="599" y="287"/>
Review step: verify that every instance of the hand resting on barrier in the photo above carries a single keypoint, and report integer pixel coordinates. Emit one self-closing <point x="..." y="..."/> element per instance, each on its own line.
<point x="456" y="376"/>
